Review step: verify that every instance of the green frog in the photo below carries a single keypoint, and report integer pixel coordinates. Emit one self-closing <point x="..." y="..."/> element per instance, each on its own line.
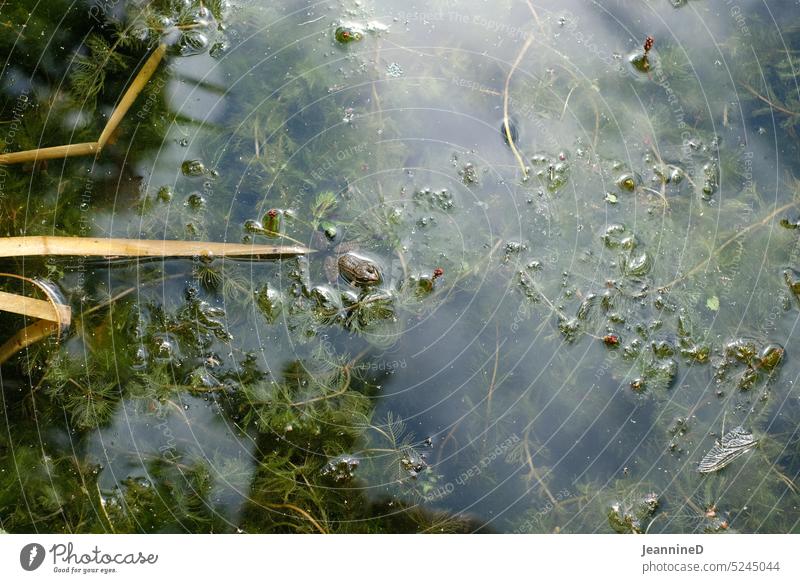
<point x="356" y="269"/>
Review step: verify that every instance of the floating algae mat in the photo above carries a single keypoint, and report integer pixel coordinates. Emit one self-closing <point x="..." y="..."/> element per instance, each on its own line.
<point x="546" y="251"/>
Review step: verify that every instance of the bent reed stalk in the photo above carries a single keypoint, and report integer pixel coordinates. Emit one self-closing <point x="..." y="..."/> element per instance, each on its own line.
<point x="85" y="149"/>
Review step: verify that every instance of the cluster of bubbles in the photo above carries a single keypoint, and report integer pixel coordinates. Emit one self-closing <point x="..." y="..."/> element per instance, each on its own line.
<point x="192" y="30"/>
<point x="341" y="469"/>
<point x="553" y="172"/>
<point x="748" y="362"/>
<point x="633" y="262"/>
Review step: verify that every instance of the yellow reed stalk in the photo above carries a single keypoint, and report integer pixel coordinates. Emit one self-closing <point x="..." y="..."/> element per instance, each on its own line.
<point x="50" y="153"/>
<point x="33" y="308"/>
<point x="88" y="148"/>
<point x="102" y="247"/>
<point x="27" y="336"/>
<point x="60" y="314"/>
<point x="131" y="94"/>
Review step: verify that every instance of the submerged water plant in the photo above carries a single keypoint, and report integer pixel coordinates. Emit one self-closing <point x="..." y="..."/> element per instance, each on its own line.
<point x="582" y="271"/>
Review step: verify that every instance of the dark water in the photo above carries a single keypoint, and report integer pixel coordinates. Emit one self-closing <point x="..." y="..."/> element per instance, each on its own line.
<point x="616" y="278"/>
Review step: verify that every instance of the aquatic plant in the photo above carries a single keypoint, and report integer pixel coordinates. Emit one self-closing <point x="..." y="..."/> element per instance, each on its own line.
<point x="578" y="298"/>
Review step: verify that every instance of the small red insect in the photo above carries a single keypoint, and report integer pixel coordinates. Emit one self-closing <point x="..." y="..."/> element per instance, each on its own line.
<point x="438" y="272"/>
<point x="611" y="339"/>
<point x="648" y="44"/>
<point x="272" y="213"/>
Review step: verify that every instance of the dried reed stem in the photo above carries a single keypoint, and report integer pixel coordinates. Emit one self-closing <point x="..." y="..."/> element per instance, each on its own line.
<point x="33" y="308"/>
<point x="103" y="247"/>
<point x="132" y="93"/>
<point x="116" y="118"/>
<point x="27" y="336"/>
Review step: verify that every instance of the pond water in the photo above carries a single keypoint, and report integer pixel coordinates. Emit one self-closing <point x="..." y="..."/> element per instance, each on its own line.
<point x="587" y="253"/>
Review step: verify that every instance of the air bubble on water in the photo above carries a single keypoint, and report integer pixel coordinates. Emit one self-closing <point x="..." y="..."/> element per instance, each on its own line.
<point x="613" y="234"/>
<point x="194" y="33"/>
<point x="269" y="302"/>
<point x="641" y="62"/>
<point x="253" y="226"/>
<point x="218" y="49"/>
<point x="140" y="358"/>
<point x="165" y="348"/>
<point x="195" y="201"/>
<point x="626" y="182"/>
<point x="193" y="42"/>
<point x="413" y="463"/>
<point x="165" y="193"/>
<point x="771" y="356"/>
<point x="193" y="168"/>
<point x="348" y="33"/>
<point x="637" y="264"/>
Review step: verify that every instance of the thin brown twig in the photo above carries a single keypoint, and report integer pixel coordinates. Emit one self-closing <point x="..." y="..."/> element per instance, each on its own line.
<point x="493" y="379"/>
<point x="533" y="471"/>
<point x="755" y="93"/>
<point x="302" y="512"/>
